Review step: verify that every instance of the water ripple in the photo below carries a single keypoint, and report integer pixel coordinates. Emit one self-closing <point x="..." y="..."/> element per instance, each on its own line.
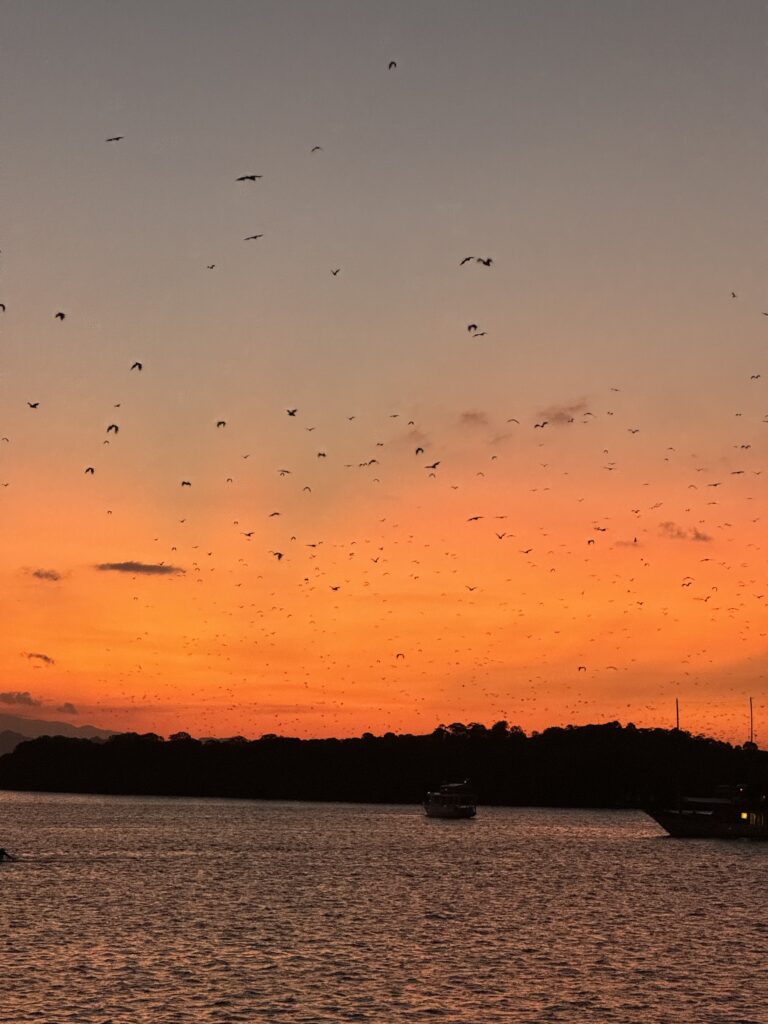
<point x="131" y="911"/>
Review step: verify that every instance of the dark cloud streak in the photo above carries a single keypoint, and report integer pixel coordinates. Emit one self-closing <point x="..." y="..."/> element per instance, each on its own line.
<point x="50" y="575"/>
<point x="140" y="568"/>
<point x="34" y="655"/>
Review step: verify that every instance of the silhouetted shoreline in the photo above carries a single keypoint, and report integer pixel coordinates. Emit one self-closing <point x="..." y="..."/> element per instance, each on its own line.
<point x="578" y="766"/>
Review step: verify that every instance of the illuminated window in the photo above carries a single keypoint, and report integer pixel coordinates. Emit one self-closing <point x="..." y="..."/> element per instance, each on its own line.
<point x="744" y="815"/>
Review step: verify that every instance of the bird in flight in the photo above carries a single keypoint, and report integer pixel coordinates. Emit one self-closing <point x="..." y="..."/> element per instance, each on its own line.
<point x="335" y="272"/>
<point x="186" y="483"/>
<point x="486" y="262"/>
<point x="467" y="259"/>
<point x="392" y="65"/>
<point x="249" y="177"/>
<point x="59" y="316"/>
<point x="291" y="412"/>
<point x="433" y="466"/>
<point x="250" y="238"/>
<point x="115" y="138"/>
<point x="137" y="366"/>
<point x="33" y="405"/>
<point x="113" y="428"/>
<point x="221" y="423"/>
<point x="211" y="266"/>
<point x="316" y="149"/>
<point x="541" y="425"/>
<point x="90" y="470"/>
<point x="2" y="307"/>
<point x="471" y="327"/>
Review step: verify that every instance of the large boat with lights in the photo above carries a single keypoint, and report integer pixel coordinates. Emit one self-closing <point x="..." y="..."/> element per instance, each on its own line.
<point x="452" y="800"/>
<point x="734" y="812"/>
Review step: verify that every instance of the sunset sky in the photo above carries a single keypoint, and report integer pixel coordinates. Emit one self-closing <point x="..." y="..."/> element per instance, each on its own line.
<point x="608" y="158"/>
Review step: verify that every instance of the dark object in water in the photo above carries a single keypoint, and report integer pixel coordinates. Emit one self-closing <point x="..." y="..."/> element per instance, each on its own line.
<point x="734" y="812"/>
<point x="4" y="855"/>
<point x="452" y="800"/>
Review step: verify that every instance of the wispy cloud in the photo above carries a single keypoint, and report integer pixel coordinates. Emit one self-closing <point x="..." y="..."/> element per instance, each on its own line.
<point x="561" y="414"/>
<point x="67" y="708"/>
<point x="49" y="575"/>
<point x="35" y="656"/>
<point x="473" y="418"/>
<point x="416" y="436"/>
<point x="23" y="697"/>
<point x="142" y="568"/>
<point x="672" y="531"/>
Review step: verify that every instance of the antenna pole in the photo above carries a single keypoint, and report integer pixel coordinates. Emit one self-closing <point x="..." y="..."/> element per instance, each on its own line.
<point x="677" y="713"/>
<point x="751" y="723"/>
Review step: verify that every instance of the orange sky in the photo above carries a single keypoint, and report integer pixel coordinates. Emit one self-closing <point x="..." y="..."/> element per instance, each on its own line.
<point x="619" y="559"/>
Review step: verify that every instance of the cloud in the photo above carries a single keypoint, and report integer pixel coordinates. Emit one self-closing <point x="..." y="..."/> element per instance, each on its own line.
<point x="559" y="415"/>
<point x="417" y="436"/>
<point x="142" y="568"/>
<point x="473" y="418"/>
<point x="674" y="532"/>
<point x="50" y="575"/>
<point x="19" y="697"/>
<point x="40" y="657"/>
<point x="67" y="709"/>
<point x="698" y="535"/>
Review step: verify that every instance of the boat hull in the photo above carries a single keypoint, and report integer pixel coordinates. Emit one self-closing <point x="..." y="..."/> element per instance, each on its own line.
<point x="460" y="811"/>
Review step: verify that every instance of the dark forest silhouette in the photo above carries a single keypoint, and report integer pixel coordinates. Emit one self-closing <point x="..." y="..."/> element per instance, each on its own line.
<point x="589" y="766"/>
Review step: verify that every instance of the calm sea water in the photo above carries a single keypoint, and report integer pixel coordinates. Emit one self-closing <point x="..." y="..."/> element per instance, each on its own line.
<point x="155" y="910"/>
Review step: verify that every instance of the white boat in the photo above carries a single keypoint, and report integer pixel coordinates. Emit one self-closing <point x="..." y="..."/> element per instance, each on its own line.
<point x="452" y="800"/>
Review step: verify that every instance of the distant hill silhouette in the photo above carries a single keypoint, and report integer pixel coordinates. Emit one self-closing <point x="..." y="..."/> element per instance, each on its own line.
<point x="589" y="766"/>
<point x="33" y="727"/>
<point x="9" y="740"/>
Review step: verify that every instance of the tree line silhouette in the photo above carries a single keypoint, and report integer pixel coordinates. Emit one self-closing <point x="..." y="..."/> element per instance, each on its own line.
<point x="606" y="765"/>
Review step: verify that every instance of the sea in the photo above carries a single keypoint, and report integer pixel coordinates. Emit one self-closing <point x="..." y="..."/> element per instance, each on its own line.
<point x="136" y="910"/>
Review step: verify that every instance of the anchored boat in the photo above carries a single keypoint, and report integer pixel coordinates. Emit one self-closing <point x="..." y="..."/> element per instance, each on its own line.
<point x="452" y="800"/>
<point x="734" y="812"/>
